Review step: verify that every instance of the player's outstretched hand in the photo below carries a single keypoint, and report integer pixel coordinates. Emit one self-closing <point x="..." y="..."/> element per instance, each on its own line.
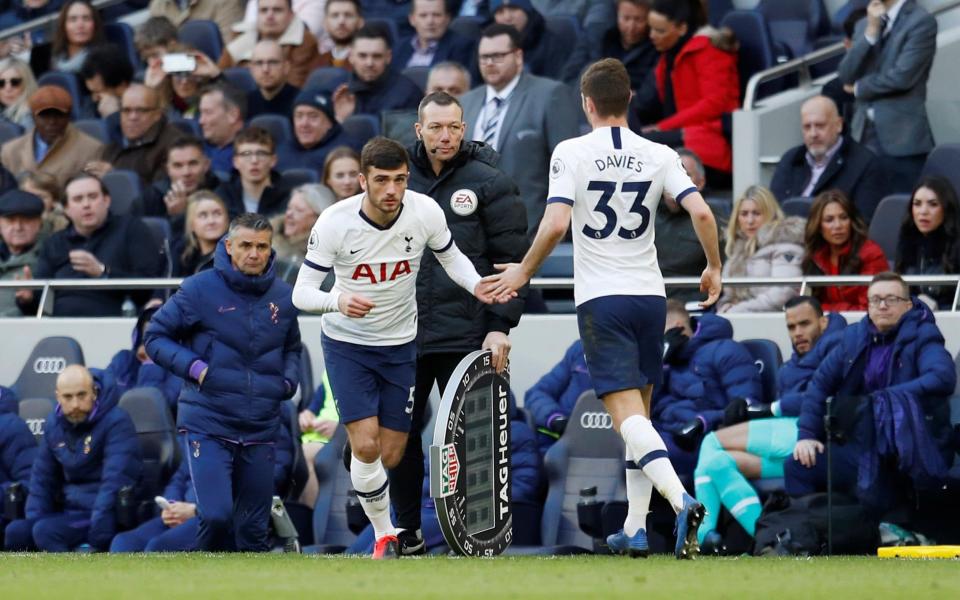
<point x="504" y="285"/>
<point x="710" y="285"/>
<point x="355" y="306"/>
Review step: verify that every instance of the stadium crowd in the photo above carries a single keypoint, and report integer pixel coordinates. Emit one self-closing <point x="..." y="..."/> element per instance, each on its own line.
<point x="128" y="154"/>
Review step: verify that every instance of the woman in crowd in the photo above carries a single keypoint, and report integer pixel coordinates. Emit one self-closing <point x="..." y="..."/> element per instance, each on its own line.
<point x="340" y="171"/>
<point x="761" y="242"/>
<point x="929" y="243"/>
<point x="78" y="27"/>
<point x="45" y="186"/>
<point x="836" y="243"/>
<point x="292" y="228"/>
<point x="696" y="83"/>
<point x="16" y="86"/>
<point x="206" y="222"/>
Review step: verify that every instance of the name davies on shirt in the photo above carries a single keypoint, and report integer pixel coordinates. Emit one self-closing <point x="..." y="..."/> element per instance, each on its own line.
<point x="619" y="161"/>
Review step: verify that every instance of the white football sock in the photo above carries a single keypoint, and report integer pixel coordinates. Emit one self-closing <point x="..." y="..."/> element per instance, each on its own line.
<point x="651" y="455"/>
<point x="639" y="490"/>
<point x="373" y="490"/>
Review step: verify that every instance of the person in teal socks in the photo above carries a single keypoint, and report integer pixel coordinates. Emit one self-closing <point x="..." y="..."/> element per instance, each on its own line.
<point x="758" y="437"/>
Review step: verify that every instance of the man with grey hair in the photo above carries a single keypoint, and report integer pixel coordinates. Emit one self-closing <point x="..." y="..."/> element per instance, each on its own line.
<point x="231" y="333"/>
<point x="450" y="77"/>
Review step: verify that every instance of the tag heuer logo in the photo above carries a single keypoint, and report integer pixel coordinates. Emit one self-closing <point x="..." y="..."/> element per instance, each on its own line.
<point x="449" y="470"/>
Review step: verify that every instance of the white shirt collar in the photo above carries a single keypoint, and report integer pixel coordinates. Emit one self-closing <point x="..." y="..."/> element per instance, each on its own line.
<point x="892" y="13"/>
<point x="505" y="92"/>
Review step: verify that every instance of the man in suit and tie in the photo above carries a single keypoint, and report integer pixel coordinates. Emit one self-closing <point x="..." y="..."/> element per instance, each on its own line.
<point x="887" y="69"/>
<point x="522" y="116"/>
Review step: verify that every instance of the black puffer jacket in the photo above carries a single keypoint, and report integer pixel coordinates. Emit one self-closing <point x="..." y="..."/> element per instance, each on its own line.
<point x="489" y="226"/>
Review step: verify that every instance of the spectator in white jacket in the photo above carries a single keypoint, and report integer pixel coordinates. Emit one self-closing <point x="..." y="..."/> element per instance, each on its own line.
<point x="761" y="243"/>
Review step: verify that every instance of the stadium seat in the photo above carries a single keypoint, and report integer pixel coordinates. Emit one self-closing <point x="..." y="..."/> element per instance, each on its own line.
<point x="566" y="27"/>
<point x="795" y="24"/>
<point x="583" y="457"/>
<point x="418" y="75"/>
<point x="756" y="48"/>
<point x="69" y="82"/>
<point x="797" y="207"/>
<point x="292" y="178"/>
<point x="204" y="36"/>
<point x="38" y="377"/>
<point x="717" y="10"/>
<point x="187" y="126"/>
<point x="361" y="127"/>
<point x="766" y="355"/>
<point x="559" y="263"/>
<point x="720" y="206"/>
<point x="944" y="161"/>
<point x="157" y="435"/>
<point x="240" y="78"/>
<point x="468" y="27"/>
<point x="885" y="225"/>
<point x="34" y="412"/>
<point x="398" y="125"/>
<point x="278" y="126"/>
<point x="326" y="79"/>
<point x="331" y="533"/>
<point x="844" y="11"/>
<point x="160" y="227"/>
<point x="95" y="128"/>
<point x="126" y="192"/>
<point x="8" y="131"/>
<point x="121" y="34"/>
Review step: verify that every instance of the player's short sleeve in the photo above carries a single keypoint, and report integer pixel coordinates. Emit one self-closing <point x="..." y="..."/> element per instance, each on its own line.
<point x="563" y="185"/>
<point x="322" y="244"/>
<point x="439" y="238"/>
<point x="676" y="181"/>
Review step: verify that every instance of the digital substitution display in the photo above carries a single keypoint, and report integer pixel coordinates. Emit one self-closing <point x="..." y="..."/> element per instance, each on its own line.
<point x="478" y="422"/>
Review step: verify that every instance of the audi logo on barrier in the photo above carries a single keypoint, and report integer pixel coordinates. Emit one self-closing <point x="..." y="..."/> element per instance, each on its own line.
<point x="596" y="420"/>
<point x="49" y="365"/>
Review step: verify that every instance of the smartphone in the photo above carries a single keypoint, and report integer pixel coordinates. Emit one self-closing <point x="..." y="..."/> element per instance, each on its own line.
<point x="179" y="63"/>
<point x="162" y="502"/>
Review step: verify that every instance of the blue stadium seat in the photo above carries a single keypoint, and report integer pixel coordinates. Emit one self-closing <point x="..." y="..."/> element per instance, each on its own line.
<point x="292" y="178"/>
<point x="240" y="78"/>
<point x="361" y="127"/>
<point x="720" y="205"/>
<point x="157" y="435"/>
<point x="795" y="24"/>
<point x="844" y="11"/>
<point x="944" y="161"/>
<point x="8" y="131"/>
<point x="766" y="355"/>
<point x="34" y="412"/>
<point x="418" y="75"/>
<point x="187" y="126"/>
<point x="559" y="263"/>
<point x="566" y="27"/>
<point x="204" y="36"/>
<point x="278" y="125"/>
<point x="398" y="125"/>
<point x="126" y="192"/>
<point x="160" y="228"/>
<point x="717" y="10"/>
<point x="69" y="82"/>
<point x="331" y="532"/>
<point x="583" y="457"/>
<point x="468" y="27"/>
<point x="797" y="207"/>
<point x="95" y="128"/>
<point x="756" y="48"/>
<point x="38" y="377"/>
<point x="121" y="34"/>
<point x="326" y="79"/>
<point x="885" y="225"/>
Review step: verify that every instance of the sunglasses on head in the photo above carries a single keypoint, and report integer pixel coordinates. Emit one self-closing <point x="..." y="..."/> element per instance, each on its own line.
<point x="13" y="81"/>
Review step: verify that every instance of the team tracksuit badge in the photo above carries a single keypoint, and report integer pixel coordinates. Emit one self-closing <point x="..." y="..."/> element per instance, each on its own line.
<point x="196" y="448"/>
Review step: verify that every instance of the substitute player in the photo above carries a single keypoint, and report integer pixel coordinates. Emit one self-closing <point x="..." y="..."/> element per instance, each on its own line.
<point x="611" y="181"/>
<point x="374" y="242"/>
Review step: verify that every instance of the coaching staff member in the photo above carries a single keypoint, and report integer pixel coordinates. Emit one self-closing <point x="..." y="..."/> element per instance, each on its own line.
<point x="231" y="333"/>
<point x="488" y="221"/>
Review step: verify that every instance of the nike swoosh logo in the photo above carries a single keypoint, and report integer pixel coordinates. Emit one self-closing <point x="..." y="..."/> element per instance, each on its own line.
<point x="355" y="251"/>
<point x="226" y="309"/>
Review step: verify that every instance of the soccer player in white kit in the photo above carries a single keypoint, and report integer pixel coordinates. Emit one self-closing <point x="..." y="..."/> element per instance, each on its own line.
<point x="611" y="181"/>
<point x="374" y="242"/>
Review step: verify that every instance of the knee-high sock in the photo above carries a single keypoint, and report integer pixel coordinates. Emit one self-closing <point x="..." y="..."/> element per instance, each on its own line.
<point x="651" y="456"/>
<point x="736" y="493"/>
<point x="639" y="490"/>
<point x="373" y="491"/>
<point x="704" y="489"/>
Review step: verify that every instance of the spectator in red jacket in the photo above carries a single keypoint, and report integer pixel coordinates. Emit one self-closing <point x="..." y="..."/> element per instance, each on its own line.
<point x="696" y="82"/>
<point x="837" y="244"/>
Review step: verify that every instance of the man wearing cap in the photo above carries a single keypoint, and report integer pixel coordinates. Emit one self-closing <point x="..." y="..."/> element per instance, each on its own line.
<point x="315" y="132"/>
<point x="270" y="69"/>
<point x="21" y="216"/>
<point x="53" y="145"/>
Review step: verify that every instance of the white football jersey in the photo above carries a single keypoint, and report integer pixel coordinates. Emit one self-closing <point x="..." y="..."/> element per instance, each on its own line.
<point x="380" y="263"/>
<point x="613" y="178"/>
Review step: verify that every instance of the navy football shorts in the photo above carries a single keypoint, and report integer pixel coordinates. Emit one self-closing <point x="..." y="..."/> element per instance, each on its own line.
<point x="623" y="341"/>
<point x="372" y="381"/>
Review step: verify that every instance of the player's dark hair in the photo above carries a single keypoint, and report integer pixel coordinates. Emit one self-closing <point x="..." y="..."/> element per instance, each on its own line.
<point x="254" y="221"/>
<point x="233" y="97"/>
<point x="440" y="99"/>
<point x="850" y="23"/>
<point x="187" y="141"/>
<point x="681" y="11"/>
<point x="607" y="83"/>
<point x="254" y="135"/>
<point x="801" y="300"/>
<point x="498" y="29"/>
<point x="355" y="3"/>
<point x="413" y="7"/>
<point x="84" y="175"/>
<point x="382" y="153"/>
<point x="110" y="62"/>
<point x="375" y="31"/>
<point x="891" y="276"/>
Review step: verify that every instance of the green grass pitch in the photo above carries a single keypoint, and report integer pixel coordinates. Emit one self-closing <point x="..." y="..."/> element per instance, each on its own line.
<point x="235" y="577"/>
